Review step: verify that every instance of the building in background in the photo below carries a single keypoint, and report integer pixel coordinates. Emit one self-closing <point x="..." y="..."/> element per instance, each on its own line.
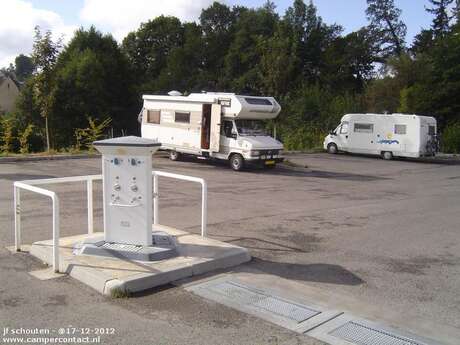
<point x="9" y="91"/>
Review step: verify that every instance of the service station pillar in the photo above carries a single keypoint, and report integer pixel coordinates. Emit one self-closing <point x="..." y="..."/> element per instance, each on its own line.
<point x="127" y="202"/>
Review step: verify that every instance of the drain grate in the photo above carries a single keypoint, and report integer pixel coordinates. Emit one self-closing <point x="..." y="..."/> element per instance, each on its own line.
<point x="250" y="297"/>
<point x="286" y="309"/>
<point x="364" y="335"/>
<point x="237" y="293"/>
<point x="121" y="247"/>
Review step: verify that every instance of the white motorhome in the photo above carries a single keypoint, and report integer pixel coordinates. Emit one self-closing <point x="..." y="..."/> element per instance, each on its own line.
<point x="213" y="125"/>
<point x="388" y="135"/>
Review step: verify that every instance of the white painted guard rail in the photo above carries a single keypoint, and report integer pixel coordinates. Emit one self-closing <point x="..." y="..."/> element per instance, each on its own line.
<point x="204" y="198"/>
<point x="30" y="185"/>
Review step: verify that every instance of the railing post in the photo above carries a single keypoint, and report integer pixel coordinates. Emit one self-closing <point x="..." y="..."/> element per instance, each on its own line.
<point x="89" y="196"/>
<point x="17" y="218"/>
<point x="56" y="232"/>
<point x="156" y="200"/>
<point x="204" y="208"/>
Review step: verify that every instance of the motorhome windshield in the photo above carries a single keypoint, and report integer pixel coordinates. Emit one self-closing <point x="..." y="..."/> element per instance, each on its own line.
<point x="250" y="127"/>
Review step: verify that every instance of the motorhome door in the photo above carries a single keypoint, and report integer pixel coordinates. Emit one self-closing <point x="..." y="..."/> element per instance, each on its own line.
<point x="342" y="133"/>
<point x="215" y="127"/>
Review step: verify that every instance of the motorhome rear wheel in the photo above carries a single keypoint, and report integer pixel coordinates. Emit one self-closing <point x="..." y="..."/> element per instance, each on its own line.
<point x="174" y="155"/>
<point x="387" y="155"/>
<point x="332" y="148"/>
<point x="236" y="162"/>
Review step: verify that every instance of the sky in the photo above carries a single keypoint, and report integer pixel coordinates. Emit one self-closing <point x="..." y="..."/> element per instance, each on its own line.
<point x="63" y="17"/>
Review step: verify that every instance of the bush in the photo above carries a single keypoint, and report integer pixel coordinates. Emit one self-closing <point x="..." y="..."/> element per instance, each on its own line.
<point x="6" y="135"/>
<point x="450" y="142"/>
<point x="24" y="139"/>
<point x="86" y="136"/>
<point x="303" y="138"/>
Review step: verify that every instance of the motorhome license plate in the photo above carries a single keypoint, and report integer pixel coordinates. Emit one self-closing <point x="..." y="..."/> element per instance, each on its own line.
<point x="269" y="162"/>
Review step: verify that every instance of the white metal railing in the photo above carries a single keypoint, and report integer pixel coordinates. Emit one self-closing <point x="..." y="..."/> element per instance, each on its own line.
<point x="30" y="185"/>
<point x="204" y="199"/>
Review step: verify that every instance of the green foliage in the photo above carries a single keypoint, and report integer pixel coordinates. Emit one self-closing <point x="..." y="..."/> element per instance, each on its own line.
<point x="303" y="138"/>
<point x="92" y="77"/>
<point x="241" y="63"/>
<point x="149" y="47"/>
<point x="348" y="62"/>
<point x="217" y="23"/>
<point x="6" y="135"/>
<point x="389" y="30"/>
<point x="120" y="293"/>
<point x="441" y="20"/>
<point x="315" y="72"/>
<point x="86" y="136"/>
<point x="24" y="139"/>
<point x="451" y="138"/>
<point x="311" y="113"/>
<point x="44" y="56"/>
<point x="24" y="67"/>
<point x="277" y="66"/>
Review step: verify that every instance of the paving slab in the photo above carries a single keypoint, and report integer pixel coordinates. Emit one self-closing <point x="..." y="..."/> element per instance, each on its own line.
<point x="196" y="255"/>
<point x="336" y="314"/>
<point x="45" y="274"/>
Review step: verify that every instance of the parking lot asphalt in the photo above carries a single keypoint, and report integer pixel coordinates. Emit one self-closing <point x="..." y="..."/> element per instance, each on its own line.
<point x="385" y="233"/>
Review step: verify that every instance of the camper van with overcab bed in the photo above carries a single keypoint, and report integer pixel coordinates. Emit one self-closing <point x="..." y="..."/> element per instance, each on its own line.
<point x="387" y="135"/>
<point x="213" y="125"/>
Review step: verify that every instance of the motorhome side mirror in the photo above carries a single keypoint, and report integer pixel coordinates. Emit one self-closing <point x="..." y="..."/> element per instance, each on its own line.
<point x="234" y="135"/>
<point x="332" y="133"/>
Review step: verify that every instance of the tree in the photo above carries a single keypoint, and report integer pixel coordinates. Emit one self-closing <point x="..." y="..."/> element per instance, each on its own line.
<point x="388" y="29"/>
<point x="148" y="48"/>
<point x="217" y="23"/>
<point x="24" y="67"/>
<point x="277" y="66"/>
<point x="348" y="62"/>
<point x="44" y="57"/>
<point x="93" y="78"/>
<point x="442" y="18"/>
<point x="296" y="16"/>
<point x="86" y="136"/>
<point x="311" y="38"/>
<point x="456" y="11"/>
<point x="184" y="67"/>
<point x="242" y="59"/>
<point x="423" y="42"/>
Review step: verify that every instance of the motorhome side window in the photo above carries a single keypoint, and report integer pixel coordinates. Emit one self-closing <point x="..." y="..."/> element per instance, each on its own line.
<point x="153" y="116"/>
<point x="344" y="128"/>
<point x="431" y="130"/>
<point x="400" y="129"/>
<point x="258" y="101"/>
<point x="182" y="117"/>
<point x="364" y="128"/>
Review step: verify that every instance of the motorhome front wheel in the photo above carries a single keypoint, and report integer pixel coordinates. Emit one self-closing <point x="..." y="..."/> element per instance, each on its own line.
<point x="332" y="148"/>
<point x="236" y="162"/>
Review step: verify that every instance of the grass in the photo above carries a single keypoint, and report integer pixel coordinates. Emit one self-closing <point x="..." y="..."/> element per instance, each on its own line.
<point x="47" y="153"/>
<point x="120" y="293"/>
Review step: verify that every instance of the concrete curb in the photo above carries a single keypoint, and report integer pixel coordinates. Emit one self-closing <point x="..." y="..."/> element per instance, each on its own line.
<point x="45" y="158"/>
<point x="112" y="276"/>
